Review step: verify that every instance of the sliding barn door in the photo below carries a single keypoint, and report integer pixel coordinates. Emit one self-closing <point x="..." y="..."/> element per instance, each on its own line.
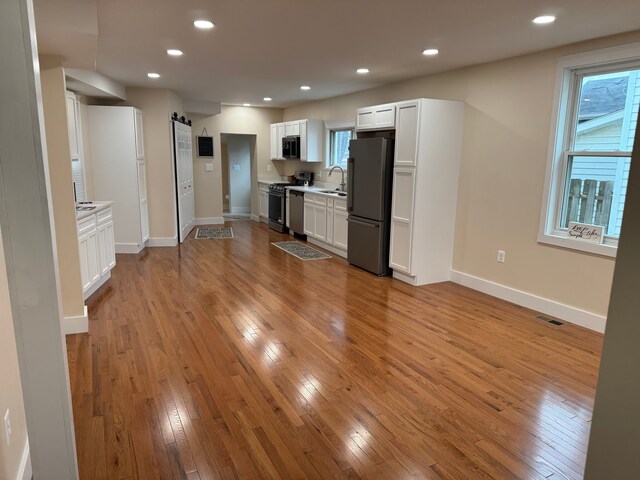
<point x="184" y="179"/>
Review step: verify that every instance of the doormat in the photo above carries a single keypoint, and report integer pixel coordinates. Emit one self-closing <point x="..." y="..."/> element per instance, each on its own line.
<point x="216" y="233"/>
<point x="301" y="251"/>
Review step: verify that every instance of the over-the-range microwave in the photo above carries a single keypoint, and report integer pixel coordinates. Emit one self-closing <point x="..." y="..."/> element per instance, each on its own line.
<point x="291" y="147"/>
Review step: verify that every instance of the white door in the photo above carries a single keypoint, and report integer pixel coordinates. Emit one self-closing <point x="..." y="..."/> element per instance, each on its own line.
<point x="309" y="228"/>
<point x="321" y="223"/>
<point x="184" y="175"/>
<point x="340" y="229"/>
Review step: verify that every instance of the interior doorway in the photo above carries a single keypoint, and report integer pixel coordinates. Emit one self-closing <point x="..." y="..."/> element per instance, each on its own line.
<point x="237" y="157"/>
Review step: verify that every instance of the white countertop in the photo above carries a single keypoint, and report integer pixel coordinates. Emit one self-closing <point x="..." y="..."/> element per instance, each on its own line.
<point x="317" y="191"/>
<point x="99" y="206"/>
<point x="269" y="180"/>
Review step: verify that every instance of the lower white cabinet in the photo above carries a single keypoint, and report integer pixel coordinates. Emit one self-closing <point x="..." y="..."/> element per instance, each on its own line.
<point x="263" y="192"/>
<point x="89" y="262"/>
<point x="96" y="247"/>
<point x="340" y="228"/>
<point x="325" y="219"/>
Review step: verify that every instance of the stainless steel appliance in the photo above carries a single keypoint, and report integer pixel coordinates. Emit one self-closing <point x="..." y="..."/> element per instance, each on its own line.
<point x="296" y="211"/>
<point x="277" y="200"/>
<point x="291" y="148"/>
<point x="370" y="175"/>
<point x="277" y="203"/>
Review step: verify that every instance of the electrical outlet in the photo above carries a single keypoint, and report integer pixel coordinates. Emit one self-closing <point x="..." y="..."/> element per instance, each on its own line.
<point x="268" y="168"/>
<point x="501" y="256"/>
<point x="7" y="427"/>
<point x="208" y="167"/>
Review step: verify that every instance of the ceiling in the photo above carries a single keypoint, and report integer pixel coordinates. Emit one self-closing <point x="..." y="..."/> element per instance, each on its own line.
<point x="270" y="48"/>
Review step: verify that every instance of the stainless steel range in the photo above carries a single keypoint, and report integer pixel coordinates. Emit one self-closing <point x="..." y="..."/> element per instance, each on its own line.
<point x="278" y="199"/>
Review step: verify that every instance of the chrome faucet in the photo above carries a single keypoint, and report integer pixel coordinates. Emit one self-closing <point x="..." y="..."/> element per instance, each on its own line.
<point x="342" y="184"/>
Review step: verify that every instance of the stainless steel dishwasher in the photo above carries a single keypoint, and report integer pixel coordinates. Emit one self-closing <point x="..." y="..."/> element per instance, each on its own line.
<point x="296" y="211"/>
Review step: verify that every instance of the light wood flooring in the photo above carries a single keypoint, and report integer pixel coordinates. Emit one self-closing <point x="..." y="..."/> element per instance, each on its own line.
<point x="233" y="359"/>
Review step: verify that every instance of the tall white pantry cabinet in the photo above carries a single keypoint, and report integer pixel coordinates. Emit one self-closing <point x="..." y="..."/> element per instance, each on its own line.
<point x="117" y="157"/>
<point x="428" y="148"/>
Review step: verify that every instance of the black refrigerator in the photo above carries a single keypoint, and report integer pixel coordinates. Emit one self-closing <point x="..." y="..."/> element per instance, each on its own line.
<point x="370" y="178"/>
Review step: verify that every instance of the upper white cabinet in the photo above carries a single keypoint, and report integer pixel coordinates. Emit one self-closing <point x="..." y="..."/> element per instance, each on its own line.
<point x="119" y="172"/>
<point x="378" y="117"/>
<point x="74" y="128"/>
<point x="425" y="189"/>
<point x="292" y="128"/>
<point x="139" y="135"/>
<point x="73" y="125"/>
<point x="311" y="133"/>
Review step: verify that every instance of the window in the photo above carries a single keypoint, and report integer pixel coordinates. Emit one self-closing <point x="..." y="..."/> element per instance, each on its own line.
<point x="339" y="146"/>
<point x="597" y="114"/>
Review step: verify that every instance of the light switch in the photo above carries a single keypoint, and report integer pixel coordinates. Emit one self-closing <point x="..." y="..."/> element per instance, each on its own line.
<point x="208" y="167"/>
<point x="236" y="167"/>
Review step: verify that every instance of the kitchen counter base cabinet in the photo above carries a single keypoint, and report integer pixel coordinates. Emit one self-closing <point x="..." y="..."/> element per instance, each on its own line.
<point x="325" y="223"/>
<point x="97" y="248"/>
<point x="263" y="193"/>
<point x="425" y="189"/>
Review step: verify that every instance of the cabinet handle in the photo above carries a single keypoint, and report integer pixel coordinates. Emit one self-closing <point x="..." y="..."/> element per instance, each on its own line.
<point x="350" y="168"/>
<point x="366" y="224"/>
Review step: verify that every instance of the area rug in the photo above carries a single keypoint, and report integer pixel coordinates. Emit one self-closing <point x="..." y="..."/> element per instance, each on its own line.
<point x="215" y="233"/>
<point x="301" y="251"/>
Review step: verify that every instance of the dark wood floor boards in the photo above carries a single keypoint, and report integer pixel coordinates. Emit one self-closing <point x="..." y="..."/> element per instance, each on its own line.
<point x="232" y="359"/>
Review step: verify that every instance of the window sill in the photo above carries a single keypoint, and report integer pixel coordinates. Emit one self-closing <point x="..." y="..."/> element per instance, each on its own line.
<point x="564" y="242"/>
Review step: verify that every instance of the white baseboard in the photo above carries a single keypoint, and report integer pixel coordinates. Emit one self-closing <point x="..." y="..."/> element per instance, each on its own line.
<point x="255" y="218"/>
<point x="568" y="313"/>
<point x="163" y="242"/>
<point x="210" y="221"/>
<point x="25" y="472"/>
<point x="240" y="210"/>
<point x="133" y="248"/>
<point x="71" y="325"/>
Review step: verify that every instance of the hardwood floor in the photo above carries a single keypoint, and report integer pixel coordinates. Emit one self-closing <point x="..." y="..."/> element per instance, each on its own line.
<point x="233" y="359"/>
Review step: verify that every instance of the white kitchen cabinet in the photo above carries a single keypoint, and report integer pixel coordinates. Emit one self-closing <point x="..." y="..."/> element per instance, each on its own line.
<point x="96" y="247"/>
<point x="88" y="250"/>
<point x="117" y="155"/>
<point x="378" y="117"/>
<point x="263" y="192"/>
<point x="340" y="229"/>
<point x="325" y="222"/>
<point x="311" y="140"/>
<point x="274" y="141"/>
<point x="72" y="125"/>
<point x="311" y="133"/>
<point x="292" y="128"/>
<point x="425" y="186"/>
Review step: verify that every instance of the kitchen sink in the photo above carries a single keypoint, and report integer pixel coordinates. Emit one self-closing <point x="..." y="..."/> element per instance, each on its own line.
<point x="334" y="192"/>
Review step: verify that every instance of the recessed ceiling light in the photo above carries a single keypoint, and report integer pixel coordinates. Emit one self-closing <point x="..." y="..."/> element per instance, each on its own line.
<point x="305" y="87"/>
<point x="174" y="52"/>
<point x="153" y="75"/>
<point x="544" y="19"/>
<point x="204" y="24"/>
<point x="267" y="99"/>
<point x="430" y="52"/>
<point x="246" y="104"/>
<point x="362" y="71"/>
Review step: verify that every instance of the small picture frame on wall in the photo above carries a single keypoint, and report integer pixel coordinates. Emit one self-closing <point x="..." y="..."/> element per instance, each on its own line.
<point x="204" y="145"/>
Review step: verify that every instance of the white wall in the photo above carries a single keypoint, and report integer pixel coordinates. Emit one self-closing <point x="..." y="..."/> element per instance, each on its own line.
<point x="239" y="157"/>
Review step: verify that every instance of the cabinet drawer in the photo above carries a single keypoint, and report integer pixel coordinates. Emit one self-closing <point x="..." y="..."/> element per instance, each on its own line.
<point x="86" y="224"/>
<point x="105" y="215"/>
<point x="320" y="200"/>
<point x="340" y="205"/>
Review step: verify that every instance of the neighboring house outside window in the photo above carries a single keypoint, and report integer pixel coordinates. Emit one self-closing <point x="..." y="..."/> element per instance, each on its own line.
<point x="597" y="112"/>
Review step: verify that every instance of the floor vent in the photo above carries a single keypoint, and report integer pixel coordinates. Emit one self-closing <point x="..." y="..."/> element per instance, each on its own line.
<point x="550" y="320"/>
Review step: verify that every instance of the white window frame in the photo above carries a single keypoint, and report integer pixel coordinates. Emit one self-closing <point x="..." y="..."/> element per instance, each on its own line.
<point x="334" y="126"/>
<point x="549" y="231"/>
